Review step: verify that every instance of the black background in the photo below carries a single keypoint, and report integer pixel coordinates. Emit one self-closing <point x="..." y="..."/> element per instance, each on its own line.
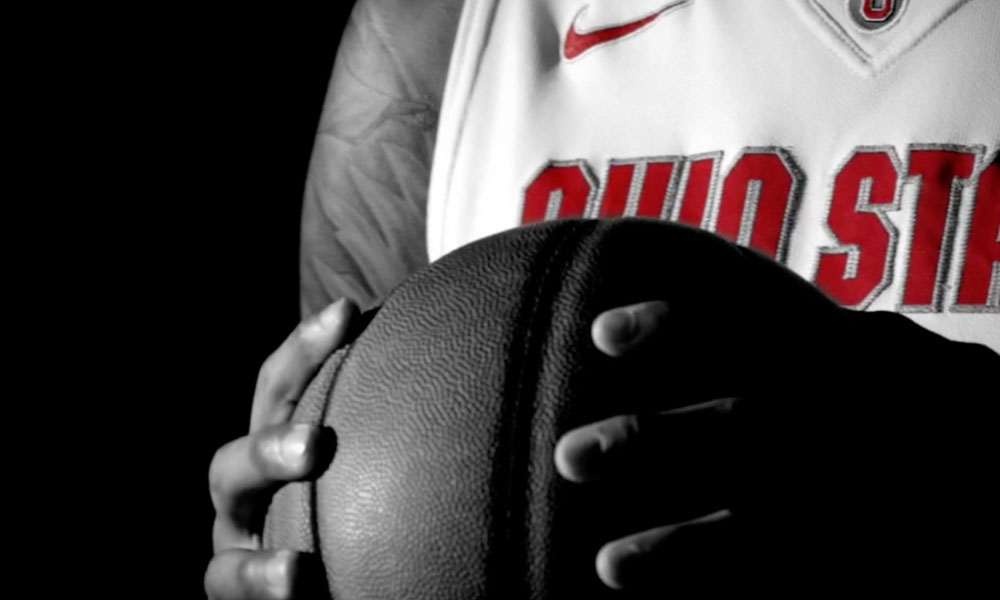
<point x="168" y="152"/>
<point x="254" y="98"/>
<point x="186" y="136"/>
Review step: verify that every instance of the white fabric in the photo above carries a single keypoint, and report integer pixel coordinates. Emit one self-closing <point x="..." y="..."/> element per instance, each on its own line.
<point x="719" y="76"/>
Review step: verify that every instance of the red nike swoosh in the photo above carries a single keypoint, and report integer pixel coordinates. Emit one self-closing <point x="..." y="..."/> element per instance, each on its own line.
<point x="578" y="42"/>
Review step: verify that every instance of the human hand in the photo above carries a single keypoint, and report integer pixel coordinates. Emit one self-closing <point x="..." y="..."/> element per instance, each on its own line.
<point x="246" y="472"/>
<point x="605" y="450"/>
<point x="843" y="481"/>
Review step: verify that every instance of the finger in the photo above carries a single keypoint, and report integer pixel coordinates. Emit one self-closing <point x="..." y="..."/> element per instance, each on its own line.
<point x="289" y="369"/>
<point x="693" y="439"/>
<point x="619" y="330"/>
<point x="694" y="554"/>
<point x="280" y="575"/>
<point x="246" y="472"/>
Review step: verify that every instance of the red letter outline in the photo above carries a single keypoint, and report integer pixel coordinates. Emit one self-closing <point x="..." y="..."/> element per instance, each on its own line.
<point x="682" y="199"/>
<point x="637" y="187"/>
<point x="555" y="201"/>
<point x="863" y="205"/>
<point x="749" y="217"/>
<point x="993" y="299"/>
<point x="958" y="188"/>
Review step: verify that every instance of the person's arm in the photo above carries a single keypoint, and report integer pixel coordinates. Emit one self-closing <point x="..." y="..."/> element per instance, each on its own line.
<point x="362" y="233"/>
<point x="364" y="210"/>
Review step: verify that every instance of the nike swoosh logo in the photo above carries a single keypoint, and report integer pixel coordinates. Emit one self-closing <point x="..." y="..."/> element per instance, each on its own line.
<point x="577" y="42"/>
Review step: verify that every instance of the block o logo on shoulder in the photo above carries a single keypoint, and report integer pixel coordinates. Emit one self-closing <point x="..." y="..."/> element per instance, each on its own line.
<point x="875" y="15"/>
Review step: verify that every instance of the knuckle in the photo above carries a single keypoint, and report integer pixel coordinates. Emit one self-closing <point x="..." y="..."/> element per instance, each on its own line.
<point x="292" y="351"/>
<point x="265" y="447"/>
<point x="728" y="405"/>
<point x="218" y="485"/>
<point x="236" y="573"/>
<point x="269" y="574"/>
<point x="221" y="580"/>
<point x="208" y="581"/>
<point x="275" y="381"/>
<point x="630" y="426"/>
<point x="316" y="332"/>
<point x="264" y="378"/>
<point x="269" y="371"/>
<point x="248" y="573"/>
<point x="647" y="320"/>
<point x="284" y="450"/>
<point x="303" y="333"/>
<point x="620" y="429"/>
<point x="607" y="563"/>
<point x="228" y="474"/>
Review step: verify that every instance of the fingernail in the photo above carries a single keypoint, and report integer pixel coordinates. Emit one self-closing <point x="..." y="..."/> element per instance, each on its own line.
<point x="617" y="562"/>
<point x="591" y="456"/>
<point x="324" y="322"/>
<point x="293" y="445"/>
<point x="629" y="567"/>
<point x="584" y="459"/>
<point x="331" y="315"/>
<point x="270" y="574"/>
<point x="276" y="574"/>
<point x="622" y="325"/>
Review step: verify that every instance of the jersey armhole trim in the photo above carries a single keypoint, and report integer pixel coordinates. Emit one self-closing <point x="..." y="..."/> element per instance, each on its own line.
<point x="471" y="41"/>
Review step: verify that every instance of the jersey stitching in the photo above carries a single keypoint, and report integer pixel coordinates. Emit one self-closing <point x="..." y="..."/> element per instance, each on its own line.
<point x="894" y="53"/>
<point x="460" y="133"/>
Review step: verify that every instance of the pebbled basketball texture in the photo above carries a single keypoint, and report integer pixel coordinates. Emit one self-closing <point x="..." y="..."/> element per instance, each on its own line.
<point x="448" y="406"/>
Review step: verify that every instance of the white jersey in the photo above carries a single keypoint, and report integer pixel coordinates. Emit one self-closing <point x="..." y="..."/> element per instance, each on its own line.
<point x="854" y="141"/>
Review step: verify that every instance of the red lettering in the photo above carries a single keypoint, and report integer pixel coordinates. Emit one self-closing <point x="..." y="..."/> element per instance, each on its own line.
<point x="559" y="191"/>
<point x="981" y="267"/>
<point x="701" y="175"/>
<point x="857" y="269"/>
<point x="940" y="172"/>
<point x="655" y="188"/>
<point x="756" y="203"/>
<point x="619" y="183"/>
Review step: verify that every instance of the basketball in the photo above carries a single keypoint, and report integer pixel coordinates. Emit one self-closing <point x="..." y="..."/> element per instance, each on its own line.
<point x="448" y="406"/>
<point x="792" y="211"/>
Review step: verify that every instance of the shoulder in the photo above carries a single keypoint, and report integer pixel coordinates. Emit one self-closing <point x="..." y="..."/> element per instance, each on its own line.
<point x="403" y="46"/>
<point x="364" y="207"/>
